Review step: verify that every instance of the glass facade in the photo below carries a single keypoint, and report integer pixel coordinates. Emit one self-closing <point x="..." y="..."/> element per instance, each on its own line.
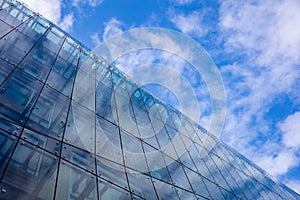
<point x="63" y="134"/>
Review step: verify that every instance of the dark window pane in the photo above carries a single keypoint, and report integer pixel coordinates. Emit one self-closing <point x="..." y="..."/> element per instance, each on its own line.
<point x="38" y="62"/>
<point x="5" y="70"/>
<point x="4" y="28"/>
<point x="79" y="157"/>
<point x="7" y="143"/>
<point x="110" y="191"/>
<point x="21" y="43"/>
<point x="31" y="174"/>
<point x="17" y="96"/>
<point x="62" y="77"/>
<point x="74" y="183"/>
<point x="50" y="113"/>
<point x="42" y="141"/>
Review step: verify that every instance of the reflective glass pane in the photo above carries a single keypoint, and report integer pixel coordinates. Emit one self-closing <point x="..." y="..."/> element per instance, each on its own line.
<point x="197" y="183"/>
<point x="5" y="70"/>
<point x="32" y="28"/>
<point x="133" y="152"/>
<point x="112" y="172"/>
<point x="84" y="90"/>
<point x="157" y="164"/>
<point x="105" y="77"/>
<point x="108" y="143"/>
<point x="80" y="129"/>
<point x="87" y="63"/>
<point x="104" y="102"/>
<point x="49" y="113"/>
<point x="7" y="144"/>
<point x="17" y="96"/>
<point x="31" y="174"/>
<point x="38" y="62"/>
<point x="21" y="44"/>
<point x="141" y="184"/>
<point x="62" y="77"/>
<point x="8" y="15"/>
<point x="52" y="40"/>
<point x="178" y="176"/>
<point x="70" y="51"/>
<point x="4" y="28"/>
<point x="10" y="127"/>
<point x="213" y="189"/>
<point x="126" y="117"/>
<point x="110" y="191"/>
<point x="164" y="190"/>
<point x="79" y="157"/>
<point x="75" y="183"/>
<point x="42" y="141"/>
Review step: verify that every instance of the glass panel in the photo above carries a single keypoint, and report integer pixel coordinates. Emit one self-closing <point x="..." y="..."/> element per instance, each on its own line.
<point x="216" y="173"/>
<point x="21" y="44"/>
<point x="79" y="157"/>
<point x="141" y="184"/>
<point x="7" y="144"/>
<point x="157" y="164"/>
<point x="62" y="77"/>
<point x="5" y="70"/>
<point x="42" y="141"/>
<point x="164" y="190"/>
<point x="87" y="63"/>
<point x="80" y="130"/>
<point x="7" y="15"/>
<point x="31" y="174"/>
<point x="4" y="28"/>
<point x="110" y="191"/>
<point x="213" y="189"/>
<point x="112" y="172"/>
<point x="105" y="77"/>
<point x="52" y="40"/>
<point x="84" y="90"/>
<point x="104" y="100"/>
<point x="126" y="118"/>
<point x="33" y="29"/>
<point x="74" y="183"/>
<point x="108" y="143"/>
<point x="49" y="113"/>
<point x="178" y="176"/>
<point x="17" y="96"/>
<point x="10" y="127"/>
<point x="70" y="51"/>
<point x="133" y="152"/>
<point x="197" y="183"/>
<point x="38" y="62"/>
<point x="185" y="195"/>
<point x="151" y="140"/>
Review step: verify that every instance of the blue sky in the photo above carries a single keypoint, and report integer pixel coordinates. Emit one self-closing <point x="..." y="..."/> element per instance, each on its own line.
<point x="255" y="44"/>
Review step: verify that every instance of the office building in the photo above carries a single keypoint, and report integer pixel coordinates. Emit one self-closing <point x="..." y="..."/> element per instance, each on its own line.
<point x="62" y="137"/>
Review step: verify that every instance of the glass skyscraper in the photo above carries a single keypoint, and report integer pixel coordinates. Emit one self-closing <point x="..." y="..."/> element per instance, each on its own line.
<point x="62" y="137"/>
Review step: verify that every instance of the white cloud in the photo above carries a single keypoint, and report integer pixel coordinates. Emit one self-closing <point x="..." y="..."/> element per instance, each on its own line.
<point x="280" y="163"/>
<point x="95" y="39"/>
<point x="291" y="130"/>
<point x="112" y="27"/>
<point x="52" y="11"/>
<point x="92" y="3"/>
<point x="182" y="2"/>
<point x="266" y="34"/>
<point x="49" y="9"/>
<point x="67" y="22"/>
<point x="189" y="24"/>
<point x="272" y="28"/>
